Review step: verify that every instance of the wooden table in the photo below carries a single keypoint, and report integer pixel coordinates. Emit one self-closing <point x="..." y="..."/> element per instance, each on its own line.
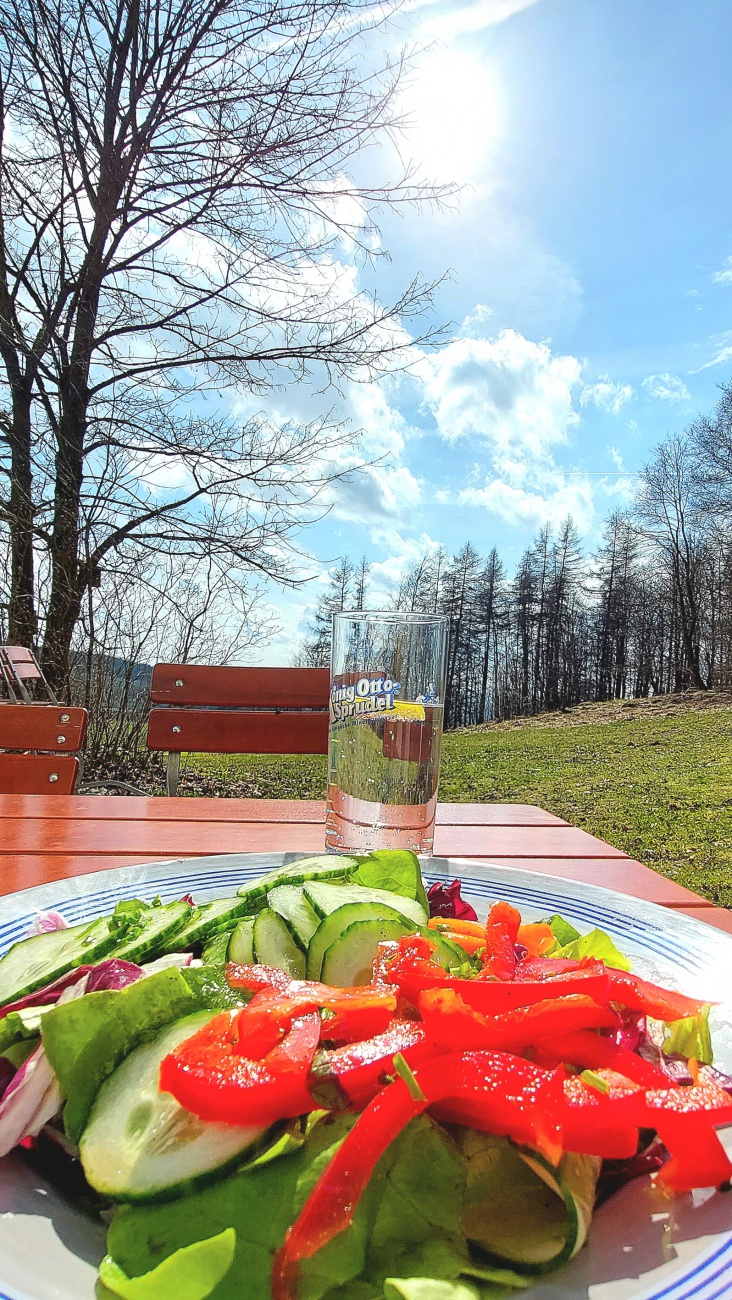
<point x="52" y="837"/>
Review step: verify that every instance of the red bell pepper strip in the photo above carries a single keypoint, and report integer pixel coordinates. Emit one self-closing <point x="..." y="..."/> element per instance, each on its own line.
<point x="214" y="1081"/>
<point x="593" y="1052"/>
<point x="350" y="1076"/>
<point x="595" y="1123"/>
<point x="257" y="977"/>
<point x="496" y="1092"/>
<point x="547" y="968"/>
<point x="697" y="1155"/>
<point x="451" y="1024"/>
<point x="640" y="995"/>
<point x="347" y="1014"/>
<point x="501" y="930"/>
<point x="504" y="1090"/>
<point x="413" y="974"/>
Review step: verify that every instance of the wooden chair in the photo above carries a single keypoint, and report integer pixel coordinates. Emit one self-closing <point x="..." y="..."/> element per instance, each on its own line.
<point x="54" y="731"/>
<point x="236" y="711"/>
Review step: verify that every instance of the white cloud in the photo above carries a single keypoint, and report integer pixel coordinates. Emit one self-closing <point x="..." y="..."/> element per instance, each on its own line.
<point x="723" y="351"/>
<point x="725" y="275"/>
<point x="511" y="392"/>
<point x="606" y="395"/>
<point x="402" y="552"/>
<point x="667" y="388"/>
<point x="378" y="491"/>
<point x="448" y="20"/>
<point x="476" y="323"/>
<point x="519" y="505"/>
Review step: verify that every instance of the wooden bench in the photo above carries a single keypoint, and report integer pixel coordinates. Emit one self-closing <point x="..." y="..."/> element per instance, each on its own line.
<point x="54" y="732"/>
<point x="219" y="710"/>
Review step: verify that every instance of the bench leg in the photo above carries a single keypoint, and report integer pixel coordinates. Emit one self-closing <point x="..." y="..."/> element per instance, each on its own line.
<point x="172" y="772"/>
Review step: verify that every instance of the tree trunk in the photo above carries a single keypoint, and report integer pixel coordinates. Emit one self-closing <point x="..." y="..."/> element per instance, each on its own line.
<point x="22" y="621"/>
<point x="67" y="580"/>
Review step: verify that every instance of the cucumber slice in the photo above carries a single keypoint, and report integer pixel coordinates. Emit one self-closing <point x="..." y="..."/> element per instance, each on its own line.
<point x="32" y="963"/>
<point x="332" y="926"/>
<point x="159" y="926"/>
<point x="448" y="955"/>
<point x="275" y="946"/>
<point x="539" y="1215"/>
<point x="325" y="898"/>
<point x="241" y="944"/>
<point x="327" y="867"/>
<point x="289" y="902"/>
<point x="207" y="920"/>
<point x="140" y="1145"/>
<point x="216" y="951"/>
<point x="350" y="958"/>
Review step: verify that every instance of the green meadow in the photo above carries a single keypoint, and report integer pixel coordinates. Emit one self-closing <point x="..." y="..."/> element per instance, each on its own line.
<point x="658" y="787"/>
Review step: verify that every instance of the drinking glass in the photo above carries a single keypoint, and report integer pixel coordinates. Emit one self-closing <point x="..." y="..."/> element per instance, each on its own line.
<point x="386" y="711"/>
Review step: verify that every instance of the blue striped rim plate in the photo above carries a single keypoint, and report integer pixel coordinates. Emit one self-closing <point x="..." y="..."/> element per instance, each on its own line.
<point x="641" y="1244"/>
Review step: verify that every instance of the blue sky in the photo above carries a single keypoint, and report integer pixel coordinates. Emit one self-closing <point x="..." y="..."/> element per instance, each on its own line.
<point x="590" y="292"/>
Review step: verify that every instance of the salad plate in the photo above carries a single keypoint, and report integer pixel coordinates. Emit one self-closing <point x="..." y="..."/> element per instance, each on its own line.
<point x="642" y="1244"/>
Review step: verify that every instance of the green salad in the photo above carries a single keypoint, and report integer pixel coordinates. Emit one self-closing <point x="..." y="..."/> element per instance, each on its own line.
<point x="317" y="1089"/>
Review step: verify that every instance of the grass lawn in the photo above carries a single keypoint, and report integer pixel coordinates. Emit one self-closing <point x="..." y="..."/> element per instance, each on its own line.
<point x="659" y="787"/>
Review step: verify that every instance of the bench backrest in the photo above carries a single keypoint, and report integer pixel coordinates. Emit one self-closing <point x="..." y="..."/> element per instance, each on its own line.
<point x="55" y="730"/>
<point x="212" y="710"/>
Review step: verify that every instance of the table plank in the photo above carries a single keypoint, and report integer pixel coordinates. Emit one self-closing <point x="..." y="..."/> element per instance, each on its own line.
<point x="175" y="837"/>
<point x="720" y="917"/>
<point x="623" y="874"/>
<point x="160" y="808"/>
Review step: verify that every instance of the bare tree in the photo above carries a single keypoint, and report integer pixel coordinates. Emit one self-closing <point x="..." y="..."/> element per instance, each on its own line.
<point x="670" y="512"/>
<point x="173" y="188"/>
<point x="339" y="595"/>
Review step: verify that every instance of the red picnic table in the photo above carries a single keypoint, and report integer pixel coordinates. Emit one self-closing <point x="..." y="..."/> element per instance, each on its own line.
<point x="54" y="837"/>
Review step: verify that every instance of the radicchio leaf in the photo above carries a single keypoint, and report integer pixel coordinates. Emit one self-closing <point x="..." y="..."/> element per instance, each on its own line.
<point x="113" y="974"/>
<point x="445" y="900"/>
<point x="632" y="1031"/>
<point x="48" y="995"/>
<point x="33" y="1096"/>
<point x="31" y="1099"/>
<point x="46" y="923"/>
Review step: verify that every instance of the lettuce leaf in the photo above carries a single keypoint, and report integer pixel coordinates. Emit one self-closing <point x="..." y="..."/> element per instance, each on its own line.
<point x="211" y="988"/>
<point x="20" y="1024"/>
<point x="691" y="1037"/>
<point x="394" y="869"/>
<point x="87" y="1038"/>
<point x="595" y="944"/>
<point x="562" y="930"/>
<point x="189" y="1274"/>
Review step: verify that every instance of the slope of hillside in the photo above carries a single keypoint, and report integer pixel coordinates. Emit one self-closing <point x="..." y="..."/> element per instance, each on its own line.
<point x="653" y="777"/>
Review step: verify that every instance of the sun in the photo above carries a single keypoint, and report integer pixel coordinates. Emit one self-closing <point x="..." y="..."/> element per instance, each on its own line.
<point x="452" y="111"/>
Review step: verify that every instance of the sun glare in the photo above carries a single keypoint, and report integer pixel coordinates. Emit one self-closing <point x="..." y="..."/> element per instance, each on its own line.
<point x="453" y="116"/>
